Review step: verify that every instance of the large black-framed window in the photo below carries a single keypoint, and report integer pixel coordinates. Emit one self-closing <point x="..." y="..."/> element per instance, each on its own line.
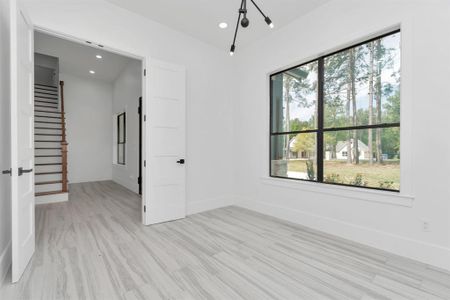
<point x="121" y="138"/>
<point x="336" y="119"/>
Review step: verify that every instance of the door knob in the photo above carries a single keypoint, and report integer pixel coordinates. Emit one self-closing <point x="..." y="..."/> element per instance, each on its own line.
<point x="7" y="172"/>
<point x="22" y="170"/>
<point x="181" y="161"/>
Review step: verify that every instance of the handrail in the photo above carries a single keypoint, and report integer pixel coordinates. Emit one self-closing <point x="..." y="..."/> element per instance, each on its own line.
<point x="64" y="143"/>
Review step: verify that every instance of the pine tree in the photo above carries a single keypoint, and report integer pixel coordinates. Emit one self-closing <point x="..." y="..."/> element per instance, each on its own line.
<point x="378" y="95"/>
<point x="352" y="74"/>
<point x="371" y="96"/>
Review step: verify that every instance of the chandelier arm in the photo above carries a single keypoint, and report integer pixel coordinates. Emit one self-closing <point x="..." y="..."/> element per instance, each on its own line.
<point x="237" y="24"/>
<point x="259" y="9"/>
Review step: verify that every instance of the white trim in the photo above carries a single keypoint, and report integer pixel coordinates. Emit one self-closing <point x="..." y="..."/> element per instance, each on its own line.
<point x="145" y="81"/>
<point x="406" y="107"/>
<point x="82" y="41"/>
<point x="385" y="197"/>
<point x="56" y="198"/>
<point x="209" y="204"/>
<point x="5" y="263"/>
<point x="427" y="253"/>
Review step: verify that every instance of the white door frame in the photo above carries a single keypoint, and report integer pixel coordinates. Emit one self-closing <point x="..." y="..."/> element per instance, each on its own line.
<point x="144" y="60"/>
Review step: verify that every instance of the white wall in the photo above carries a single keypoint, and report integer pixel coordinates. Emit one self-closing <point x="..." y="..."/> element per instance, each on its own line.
<point x="377" y="219"/>
<point x="208" y="102"/>
<point x="5" y="158"/>
<point x="127" y="89"/>
<point x="46" y="69"/>
<point x="88" y="107"/>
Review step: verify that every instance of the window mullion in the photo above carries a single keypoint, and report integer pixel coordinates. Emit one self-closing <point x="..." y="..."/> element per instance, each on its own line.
<point x="320" y="116"/>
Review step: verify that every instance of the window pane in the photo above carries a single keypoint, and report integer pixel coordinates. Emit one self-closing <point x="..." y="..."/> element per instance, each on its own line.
<point x="121" y="131"/>
<point x="362" y="84"/>
<point x="376" y="165"/>
<point x="121" y="154"/>
<point x="294" y="99"/>
<point x="294" y="156"/>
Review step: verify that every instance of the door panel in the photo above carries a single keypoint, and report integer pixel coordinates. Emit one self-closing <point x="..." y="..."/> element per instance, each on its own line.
<point x="166" y="113"/>
<point x="165" y="189"/>
<point x="22" y="131"/>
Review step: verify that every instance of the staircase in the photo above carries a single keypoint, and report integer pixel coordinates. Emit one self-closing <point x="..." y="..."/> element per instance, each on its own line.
<point x="50" y="144"/>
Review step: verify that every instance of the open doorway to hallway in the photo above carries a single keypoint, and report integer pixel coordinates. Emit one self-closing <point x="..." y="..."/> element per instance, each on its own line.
<point x="87" y="117"/>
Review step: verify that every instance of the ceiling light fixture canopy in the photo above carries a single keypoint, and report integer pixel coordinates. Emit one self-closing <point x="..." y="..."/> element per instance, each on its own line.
<point x="245" y="22"/>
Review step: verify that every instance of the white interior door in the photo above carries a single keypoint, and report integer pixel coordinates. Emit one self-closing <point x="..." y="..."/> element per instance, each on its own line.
<point x="165" y="146"/>
<point x="22" y="149"/>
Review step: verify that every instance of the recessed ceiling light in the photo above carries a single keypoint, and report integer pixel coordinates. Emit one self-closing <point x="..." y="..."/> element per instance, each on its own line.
<point x="92" y="71"/>
<point x="99" y="56"/>
<point x="223" y="25"/>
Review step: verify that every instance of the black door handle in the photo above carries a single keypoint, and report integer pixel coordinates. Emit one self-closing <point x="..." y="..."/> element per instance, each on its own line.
<point x="181" y="161"/>
<point x="22" y="170"/>
<point x="7" y="172"/>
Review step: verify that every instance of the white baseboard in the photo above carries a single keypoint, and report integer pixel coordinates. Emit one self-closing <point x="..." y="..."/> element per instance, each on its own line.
<point x="128" y="184"/>
<point x="427" y="253"/>
<point x="63" y="197"/>
<point x="209" y="204"/>
<point x="5" y="263"/>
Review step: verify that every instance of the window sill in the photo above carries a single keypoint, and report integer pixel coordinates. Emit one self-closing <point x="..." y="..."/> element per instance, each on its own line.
<point x="385" y="197"/>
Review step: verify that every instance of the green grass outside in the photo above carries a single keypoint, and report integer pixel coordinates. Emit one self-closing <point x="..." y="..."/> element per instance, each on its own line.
<point x="373" y="175"/>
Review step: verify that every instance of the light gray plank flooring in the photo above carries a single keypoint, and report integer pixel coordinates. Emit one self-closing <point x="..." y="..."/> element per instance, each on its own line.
<point x="94" y="247"/>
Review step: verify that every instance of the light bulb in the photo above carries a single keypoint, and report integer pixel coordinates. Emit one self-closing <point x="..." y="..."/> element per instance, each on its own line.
<point x="269" y="22"/>
<point x="232" y="49"/>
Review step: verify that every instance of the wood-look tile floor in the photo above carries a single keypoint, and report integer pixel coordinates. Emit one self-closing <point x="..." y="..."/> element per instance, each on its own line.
<point x="94" y="247"/>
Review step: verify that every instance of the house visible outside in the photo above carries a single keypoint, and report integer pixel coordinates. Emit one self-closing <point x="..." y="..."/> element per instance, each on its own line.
<point x="342" y="151"/>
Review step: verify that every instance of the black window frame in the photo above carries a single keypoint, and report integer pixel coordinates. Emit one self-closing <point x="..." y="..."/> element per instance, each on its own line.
<point x="121" y="143"/>
<point x="320" y="130"/>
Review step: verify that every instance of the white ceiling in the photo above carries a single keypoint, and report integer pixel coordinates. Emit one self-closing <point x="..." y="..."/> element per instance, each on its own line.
<point x="78" y="59"/>
<point x="200" y="18"/>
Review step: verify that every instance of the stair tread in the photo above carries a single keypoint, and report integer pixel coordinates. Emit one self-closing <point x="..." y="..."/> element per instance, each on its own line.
<point x="45" y="97"/>
<point x="45" y="101"/>
<point x="49" y="134"/>
<point x="53" y="89"/>
<point x="50" y="128"/>
<point x="47" y="122"/>
<point x="48" y="164"/>
<point x="51" y="117"/>
<point x="48" y="148"/>
<point x="48" y="156"/>
<point x="52" y="93"/>
<point x="45" y="106"/>
<point x="50" y="105"/>
<point x="49" y="193"/>
<point x="51" y="112"/>
<point x="45" y="88"/>
<point x="48" y="182"/>
<point x="48" y="173"/>
<point x="40" y="84"/>
<point x="43" y="141"/>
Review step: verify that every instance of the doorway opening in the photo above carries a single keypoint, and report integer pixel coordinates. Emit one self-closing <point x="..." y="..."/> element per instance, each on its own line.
<point x="88" y="120"/>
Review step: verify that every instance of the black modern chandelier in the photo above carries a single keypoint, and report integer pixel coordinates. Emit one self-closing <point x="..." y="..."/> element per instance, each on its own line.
<point x="245" y="22"/>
